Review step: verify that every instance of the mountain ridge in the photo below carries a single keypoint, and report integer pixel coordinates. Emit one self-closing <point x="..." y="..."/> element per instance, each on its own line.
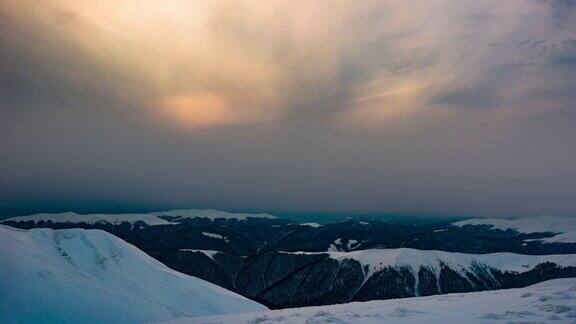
<point x="69" y="276"/>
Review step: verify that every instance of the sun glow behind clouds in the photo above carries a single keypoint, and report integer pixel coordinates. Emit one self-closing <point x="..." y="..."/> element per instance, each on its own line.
<point x="170" y="56"/>
<point x="195" y="110"/>
<point x="203" y="63"/>
<point x="213" y="63"/>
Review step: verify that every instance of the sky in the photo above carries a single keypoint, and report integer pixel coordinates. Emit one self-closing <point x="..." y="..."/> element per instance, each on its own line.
<point x="419" y="107"/>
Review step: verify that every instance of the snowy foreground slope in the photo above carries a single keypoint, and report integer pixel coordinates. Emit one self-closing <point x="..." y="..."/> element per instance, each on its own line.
<point x="564" y="227"/>
<point x="79" y="276"/>
<point x="546" y="302"/>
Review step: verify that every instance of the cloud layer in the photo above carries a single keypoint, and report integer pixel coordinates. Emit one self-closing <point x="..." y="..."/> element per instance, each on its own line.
<point x="412" y="106"/>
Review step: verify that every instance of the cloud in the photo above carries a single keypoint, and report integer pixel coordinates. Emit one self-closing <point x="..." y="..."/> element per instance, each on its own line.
<point x="413" y="106"/>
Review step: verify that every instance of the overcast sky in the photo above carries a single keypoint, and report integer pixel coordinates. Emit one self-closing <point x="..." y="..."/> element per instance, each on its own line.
<point x="456" y="107"/>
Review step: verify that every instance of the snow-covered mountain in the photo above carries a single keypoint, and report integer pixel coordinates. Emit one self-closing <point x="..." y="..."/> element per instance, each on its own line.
<point x="377" y="259"/>
<point x="79" y="276"/>
<point x="296" y="279"/>
<point x="90" y="219"/>
<point x="546" y="302"/>
<point x="210" y="214"/>
<point x="151" y="219"/>
<point x="564" y="228"/>
<point x="283" y="264"/>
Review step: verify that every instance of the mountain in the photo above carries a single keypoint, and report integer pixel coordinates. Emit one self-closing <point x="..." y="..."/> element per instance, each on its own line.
<point x="89" y="219"/>
<point x="208" y="213"/>
<point x="151" y="219"/>
<point x="123" y="224"/>
<point x="160" y="233"/>
<point x="547" y="302"/>
<point x="79" y="276"/>
<point x="296" y="279"/>
<point x="281" y="264"/>
<point x="559" y="229"/>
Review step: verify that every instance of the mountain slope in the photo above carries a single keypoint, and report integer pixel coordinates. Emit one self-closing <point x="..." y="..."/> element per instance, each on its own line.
<point x="295" y="279"/>
<point x="564" y="228"/>
<point x="376" y="260"/>
<point x="78" y="276"/>
<point x="551" y="301"/>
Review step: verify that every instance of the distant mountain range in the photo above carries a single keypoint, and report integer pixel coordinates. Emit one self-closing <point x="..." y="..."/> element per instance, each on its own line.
<point x="563" y="229"/>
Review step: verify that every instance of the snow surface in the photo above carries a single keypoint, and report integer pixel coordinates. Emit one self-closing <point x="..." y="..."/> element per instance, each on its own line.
<point x="216" y="236"/>
<point x="550" y="301"/>
<point x="351" y="243"/>
<point x="70" y="217"/>
<point x="208" y="253"/>
<point x="333" y="248"/>
<point x="378" y="259"/>
<point x="209" y="213"/>
<point x="566" y="237"/>
<point x="541" y="224"/>
<point x="212" y="235"/>
<point x="310" y="224"/>
<point x="79" y="276"/>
